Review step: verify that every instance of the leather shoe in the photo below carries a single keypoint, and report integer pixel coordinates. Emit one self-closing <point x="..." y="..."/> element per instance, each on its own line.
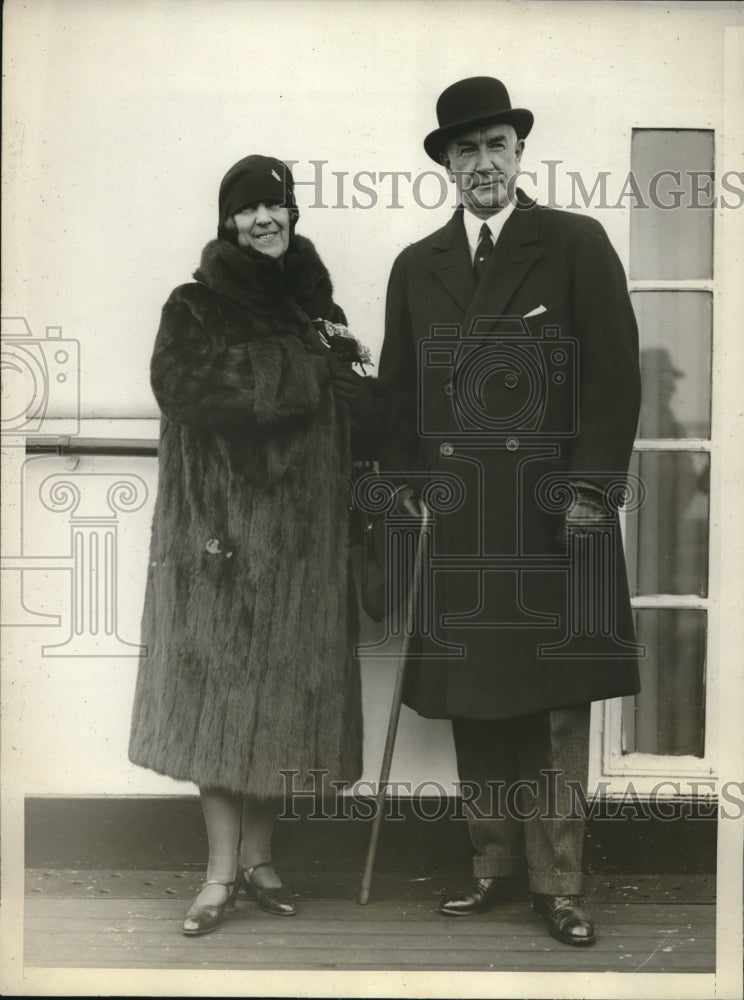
<point x="203" y="919"/>
<point x="481" y="896"/>
<point x="567" y="921"/>
<point x="275" y="900"/>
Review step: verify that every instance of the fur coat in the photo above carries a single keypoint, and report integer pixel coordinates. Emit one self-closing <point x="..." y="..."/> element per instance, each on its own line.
<point x="249" y="620"/>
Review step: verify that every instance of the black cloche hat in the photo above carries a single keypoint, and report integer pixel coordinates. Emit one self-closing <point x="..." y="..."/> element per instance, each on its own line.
<point x="478" y="100"/>
<point x="253" y="179"/>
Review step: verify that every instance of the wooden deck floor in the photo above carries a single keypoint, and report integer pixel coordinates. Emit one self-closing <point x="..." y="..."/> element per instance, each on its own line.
<point x="131" y="920"/>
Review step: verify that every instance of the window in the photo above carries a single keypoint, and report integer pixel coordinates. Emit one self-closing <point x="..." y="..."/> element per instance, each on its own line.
<point x="667" y="538"/>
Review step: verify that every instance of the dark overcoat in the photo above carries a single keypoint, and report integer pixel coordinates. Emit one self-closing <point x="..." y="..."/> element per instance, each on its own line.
<point x="249" y="620"/>
<point x="506" y="392"/>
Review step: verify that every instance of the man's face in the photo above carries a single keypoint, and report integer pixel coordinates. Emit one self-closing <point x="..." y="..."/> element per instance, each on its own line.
<point x="483" y="163"/>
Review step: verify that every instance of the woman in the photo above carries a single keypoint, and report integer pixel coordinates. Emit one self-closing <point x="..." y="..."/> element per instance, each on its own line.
<point x="249" y="621"/>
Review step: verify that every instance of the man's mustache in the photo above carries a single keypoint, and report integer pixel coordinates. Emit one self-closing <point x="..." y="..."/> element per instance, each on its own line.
<point x="469" y="181"/>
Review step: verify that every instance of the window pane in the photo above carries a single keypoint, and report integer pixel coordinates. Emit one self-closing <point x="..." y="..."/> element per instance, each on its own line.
<point x="675" y="330"/>
<point x="671" y="234"/>
<point x="668" y="715"/>
<point x="667" y="537"/>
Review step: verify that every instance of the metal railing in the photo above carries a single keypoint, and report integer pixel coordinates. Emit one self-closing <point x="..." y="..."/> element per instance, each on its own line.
<point x="65" y="446"/>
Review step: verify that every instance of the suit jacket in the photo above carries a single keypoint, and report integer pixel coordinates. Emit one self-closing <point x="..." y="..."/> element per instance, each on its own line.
<point x="507" y="391"/>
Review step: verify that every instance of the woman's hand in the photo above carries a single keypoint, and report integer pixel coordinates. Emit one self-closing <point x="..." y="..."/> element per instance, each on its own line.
<point x="346" y="383"/>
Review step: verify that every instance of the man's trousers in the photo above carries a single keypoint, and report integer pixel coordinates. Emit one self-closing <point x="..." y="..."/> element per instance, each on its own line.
<point x="516" y="779"/>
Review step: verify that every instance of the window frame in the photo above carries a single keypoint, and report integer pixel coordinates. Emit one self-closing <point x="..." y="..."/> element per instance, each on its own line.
<point x="610" y="764"/>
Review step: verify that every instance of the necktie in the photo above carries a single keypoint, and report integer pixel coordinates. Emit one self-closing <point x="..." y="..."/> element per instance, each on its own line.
<point x="482" y="251"/>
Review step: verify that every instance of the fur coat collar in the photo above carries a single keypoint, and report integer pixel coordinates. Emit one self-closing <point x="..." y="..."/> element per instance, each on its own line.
<point x="257" y="283"/>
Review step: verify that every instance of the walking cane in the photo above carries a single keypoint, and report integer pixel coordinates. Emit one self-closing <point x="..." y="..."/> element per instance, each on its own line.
<point x="392" y="730"/>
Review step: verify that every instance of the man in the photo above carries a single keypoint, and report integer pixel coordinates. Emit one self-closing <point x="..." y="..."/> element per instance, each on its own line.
<point x="511" y="352"/>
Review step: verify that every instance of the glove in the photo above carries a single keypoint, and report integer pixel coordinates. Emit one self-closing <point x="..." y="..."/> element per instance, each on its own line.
<point x="352" y="389"/>
<point x="345" y="382"/>
<point x="408" y="501"/>
<point x="586" y="514"/>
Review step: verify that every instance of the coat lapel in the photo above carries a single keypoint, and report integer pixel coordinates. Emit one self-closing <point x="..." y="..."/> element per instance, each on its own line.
<point x="517" y="249"/>
<point x="451" y="262"/>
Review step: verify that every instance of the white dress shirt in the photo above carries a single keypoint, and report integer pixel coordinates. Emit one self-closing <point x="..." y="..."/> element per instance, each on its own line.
<point x="495" y="223"/>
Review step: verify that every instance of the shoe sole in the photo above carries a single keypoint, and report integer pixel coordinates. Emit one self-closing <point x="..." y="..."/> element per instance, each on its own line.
<point x="209" y="930"/>
<point x="576" y="942"/>
<point x="229" y="908"/>
<point x="251" y="893"/>
<point x="465" y="913"/>
<point x="564" y="939"/>
<point x="278" y="913"/>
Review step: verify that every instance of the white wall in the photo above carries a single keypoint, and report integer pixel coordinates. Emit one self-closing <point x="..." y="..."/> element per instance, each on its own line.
<point x="119" y="121"/>
<point x="121" y="118"/>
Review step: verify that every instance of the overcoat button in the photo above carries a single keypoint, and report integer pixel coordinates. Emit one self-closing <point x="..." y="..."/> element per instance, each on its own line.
<point x="449" y="388"/>
<point x="512" y="444"/>
<point x="446" y="449"/>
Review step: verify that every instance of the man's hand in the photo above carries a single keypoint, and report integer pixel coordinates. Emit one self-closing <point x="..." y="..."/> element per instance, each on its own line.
<point x="586" y="514"/>
<point x="408" y="501"/>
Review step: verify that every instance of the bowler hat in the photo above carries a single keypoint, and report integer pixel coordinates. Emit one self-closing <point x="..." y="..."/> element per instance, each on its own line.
<point x="478" y="100"/>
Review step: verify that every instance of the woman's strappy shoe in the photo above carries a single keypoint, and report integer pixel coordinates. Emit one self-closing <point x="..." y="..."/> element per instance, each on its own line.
<point x="276" y="900"/>
<point x="203" y="919"/>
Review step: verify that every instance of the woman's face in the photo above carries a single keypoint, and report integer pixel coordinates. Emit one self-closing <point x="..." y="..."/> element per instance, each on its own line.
<point x="265" y="227"/>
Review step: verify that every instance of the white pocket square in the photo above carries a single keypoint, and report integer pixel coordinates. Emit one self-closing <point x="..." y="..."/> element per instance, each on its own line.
<point x="535" y="312"/>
